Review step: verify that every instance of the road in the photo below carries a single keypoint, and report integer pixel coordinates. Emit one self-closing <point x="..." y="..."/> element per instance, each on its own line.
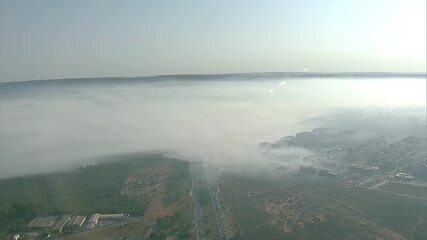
<point x="377" y="186"/>
<point x="397" y="194"/>
<point x="195" y="175"/>
<point x="199" y="182"/>
<point x="223" y="227"/>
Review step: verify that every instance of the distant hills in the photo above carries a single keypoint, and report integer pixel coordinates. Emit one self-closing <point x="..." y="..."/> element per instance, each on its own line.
<point x="233" y="76"/>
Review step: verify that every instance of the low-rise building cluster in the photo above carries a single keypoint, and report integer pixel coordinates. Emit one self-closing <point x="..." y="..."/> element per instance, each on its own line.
<point x="49" y="224"/>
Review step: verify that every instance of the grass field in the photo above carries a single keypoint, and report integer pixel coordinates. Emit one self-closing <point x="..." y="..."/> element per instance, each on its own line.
<point x="122" y="183"/>
<point x="345" y="213"/>
<point x="395" y="212"/>
<point x="416" y="191"/>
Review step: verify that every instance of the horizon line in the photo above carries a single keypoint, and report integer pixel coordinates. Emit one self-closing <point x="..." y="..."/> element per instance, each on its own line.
<point x="313" y="74"/>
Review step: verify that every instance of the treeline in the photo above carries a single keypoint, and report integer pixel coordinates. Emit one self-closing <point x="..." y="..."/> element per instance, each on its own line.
<point x="14" y="217"/>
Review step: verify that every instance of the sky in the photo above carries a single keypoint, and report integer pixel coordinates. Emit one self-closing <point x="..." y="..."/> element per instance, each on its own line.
<point x="46" y="39"/>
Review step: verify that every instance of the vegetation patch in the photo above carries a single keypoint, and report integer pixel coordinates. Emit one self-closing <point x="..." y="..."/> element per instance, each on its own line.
<point x="104" y="188"/>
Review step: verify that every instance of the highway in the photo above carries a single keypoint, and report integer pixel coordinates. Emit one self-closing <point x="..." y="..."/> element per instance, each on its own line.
<point x="220" y="214"/>
<point x="198" y="182"/>
<point x="195" y="174"/>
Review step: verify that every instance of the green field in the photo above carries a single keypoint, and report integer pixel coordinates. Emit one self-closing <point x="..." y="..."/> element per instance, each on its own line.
<point x="83" y="191"/>
<point x="176" y="225"/>
<point x="416" y="191"/>
<point x="395" y="212"/>
<point x="350" y="213"/>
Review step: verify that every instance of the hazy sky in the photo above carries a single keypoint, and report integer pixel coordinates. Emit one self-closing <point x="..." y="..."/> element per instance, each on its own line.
<point x="41" y="39"/>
